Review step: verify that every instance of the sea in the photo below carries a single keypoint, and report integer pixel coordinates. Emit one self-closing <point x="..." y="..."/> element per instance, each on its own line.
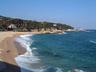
<point x="67" y="52"/>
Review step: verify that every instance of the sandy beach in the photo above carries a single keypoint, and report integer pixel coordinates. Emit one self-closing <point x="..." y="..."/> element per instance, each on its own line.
<point x="9" y="49"/>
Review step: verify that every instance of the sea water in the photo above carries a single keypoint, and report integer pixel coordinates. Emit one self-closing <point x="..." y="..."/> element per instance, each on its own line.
<point x="70" y="52"/>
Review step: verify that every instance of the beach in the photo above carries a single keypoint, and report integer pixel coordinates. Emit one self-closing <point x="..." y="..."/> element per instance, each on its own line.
<point x="67" y="52"/>
<point x="9" y="49"/>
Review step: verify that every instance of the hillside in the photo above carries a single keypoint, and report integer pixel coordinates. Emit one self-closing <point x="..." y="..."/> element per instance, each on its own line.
<point x="8" y="23"/>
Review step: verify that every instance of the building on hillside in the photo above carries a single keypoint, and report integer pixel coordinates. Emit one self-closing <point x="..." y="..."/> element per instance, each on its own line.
<point x="11" y="27"/>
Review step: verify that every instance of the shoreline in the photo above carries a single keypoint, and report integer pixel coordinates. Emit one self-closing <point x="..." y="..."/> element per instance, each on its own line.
<point x="21" y="50"/>
<point x="9" y="49"/>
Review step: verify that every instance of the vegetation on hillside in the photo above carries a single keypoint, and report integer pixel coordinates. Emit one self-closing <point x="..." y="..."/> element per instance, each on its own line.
<point x="29" y="25"/>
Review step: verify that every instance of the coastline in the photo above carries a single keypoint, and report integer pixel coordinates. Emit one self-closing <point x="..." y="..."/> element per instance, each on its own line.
<point x="9" y="49"/>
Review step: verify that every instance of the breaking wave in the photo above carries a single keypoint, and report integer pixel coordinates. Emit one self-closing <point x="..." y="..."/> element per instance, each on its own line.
<point x="28" y="62"/>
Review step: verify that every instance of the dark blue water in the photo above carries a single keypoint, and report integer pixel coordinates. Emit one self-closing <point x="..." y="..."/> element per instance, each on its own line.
<point x="74" y="50"/>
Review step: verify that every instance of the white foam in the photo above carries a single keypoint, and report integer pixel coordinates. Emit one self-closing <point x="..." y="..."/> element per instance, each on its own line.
<point x="26" y="35"/>
<point x="59" y="70"/>
<point x="25" y="60"/>
<point x="63" y="33"/>
<point x="93" y="41"/>
<point x="76" y="70"/>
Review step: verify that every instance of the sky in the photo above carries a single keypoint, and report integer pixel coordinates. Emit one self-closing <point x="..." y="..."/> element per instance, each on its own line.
<point x="77" y="13"/>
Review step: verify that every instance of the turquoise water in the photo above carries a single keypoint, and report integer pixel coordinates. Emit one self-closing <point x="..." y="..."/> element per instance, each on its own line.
<point x="74" y="50"/>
